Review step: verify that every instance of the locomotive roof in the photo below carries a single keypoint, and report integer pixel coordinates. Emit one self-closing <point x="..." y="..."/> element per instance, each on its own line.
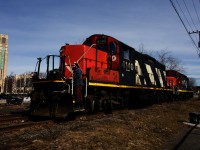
<point x="176" y="72"/>
<point x="100" y="35"/>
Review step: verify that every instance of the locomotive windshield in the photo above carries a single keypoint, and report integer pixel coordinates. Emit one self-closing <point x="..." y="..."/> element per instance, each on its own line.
<point x="47" y="66"/>
<point x="102" y="43"/>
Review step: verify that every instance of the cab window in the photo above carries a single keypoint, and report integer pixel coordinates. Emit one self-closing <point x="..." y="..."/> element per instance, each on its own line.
<point x="126" y="55"/>
<point x="113" y="48"/>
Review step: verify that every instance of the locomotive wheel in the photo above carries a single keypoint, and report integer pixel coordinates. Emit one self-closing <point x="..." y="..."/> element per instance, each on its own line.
<point x="88" y="105"/>
<point x="107" y="106"/>
<point x="91" y="104"/>
<point x="95" y="105"/>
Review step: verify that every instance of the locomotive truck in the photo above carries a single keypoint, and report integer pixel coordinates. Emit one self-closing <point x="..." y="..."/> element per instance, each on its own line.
<point x="116" y="76"/>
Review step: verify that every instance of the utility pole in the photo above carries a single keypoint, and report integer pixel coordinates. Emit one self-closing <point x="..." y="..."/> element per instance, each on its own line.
<point x="199" y="36"/>
<point x="199" y="40"/>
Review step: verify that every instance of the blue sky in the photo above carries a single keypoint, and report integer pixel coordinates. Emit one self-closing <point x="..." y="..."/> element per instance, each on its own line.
<point x="40" y="27"/>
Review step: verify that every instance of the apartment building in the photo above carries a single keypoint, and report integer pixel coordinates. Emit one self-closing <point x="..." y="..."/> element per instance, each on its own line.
<point x="18" y="84"/>
<point x="3" y="60"/>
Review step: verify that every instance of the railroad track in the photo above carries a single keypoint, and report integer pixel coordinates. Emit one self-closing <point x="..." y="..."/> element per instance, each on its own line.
<point x="10" y="121"/>
<point x="21" y="125"/>
<point x="14" y="122"/>
<point x="12" y="118"/>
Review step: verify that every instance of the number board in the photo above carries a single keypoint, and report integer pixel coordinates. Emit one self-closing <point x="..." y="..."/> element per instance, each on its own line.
<point x="102" y="40"/>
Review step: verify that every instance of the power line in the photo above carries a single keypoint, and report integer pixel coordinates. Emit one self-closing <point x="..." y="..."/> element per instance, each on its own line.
<point x="189" y="33"/>
<point x="196" y="10"/>
<point x="185" y="17"/>
<point x="183" y="14"/>
<point x="189" y="14"/>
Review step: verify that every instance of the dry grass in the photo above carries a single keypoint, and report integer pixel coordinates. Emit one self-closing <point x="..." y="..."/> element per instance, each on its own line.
<point x="147" y="128"/>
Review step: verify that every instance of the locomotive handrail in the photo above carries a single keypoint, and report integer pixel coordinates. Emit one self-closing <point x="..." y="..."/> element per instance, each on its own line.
<point x="70" y="65"/>
<point x="71" y="87"/>
<point x="68" y="88"/>
<point x="85" y="52"/>
<point x="70" y="69"/>
<point x="86" y="86"/>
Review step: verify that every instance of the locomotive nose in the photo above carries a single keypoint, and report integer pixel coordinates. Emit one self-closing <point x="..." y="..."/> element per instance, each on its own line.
<point x="58" y="104"/>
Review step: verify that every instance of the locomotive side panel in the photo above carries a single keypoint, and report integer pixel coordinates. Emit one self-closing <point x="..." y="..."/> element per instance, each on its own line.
<point x="149" y="72"/>
<point x="127" y="64"/>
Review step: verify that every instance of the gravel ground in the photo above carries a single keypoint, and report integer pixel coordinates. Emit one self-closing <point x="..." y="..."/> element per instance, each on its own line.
<point x="153" y="127"/>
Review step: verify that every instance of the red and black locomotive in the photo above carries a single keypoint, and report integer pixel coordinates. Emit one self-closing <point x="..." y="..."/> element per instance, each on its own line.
<point x="179" y="83"/>
<point x="115" y="76"/>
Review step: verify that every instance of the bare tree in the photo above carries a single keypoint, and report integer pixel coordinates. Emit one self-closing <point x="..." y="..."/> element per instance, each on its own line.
<point x="169" y="61"/>
<point x="165" y="58"/>
<point x="142" y="50"/>
<point x="192" y="82"/>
